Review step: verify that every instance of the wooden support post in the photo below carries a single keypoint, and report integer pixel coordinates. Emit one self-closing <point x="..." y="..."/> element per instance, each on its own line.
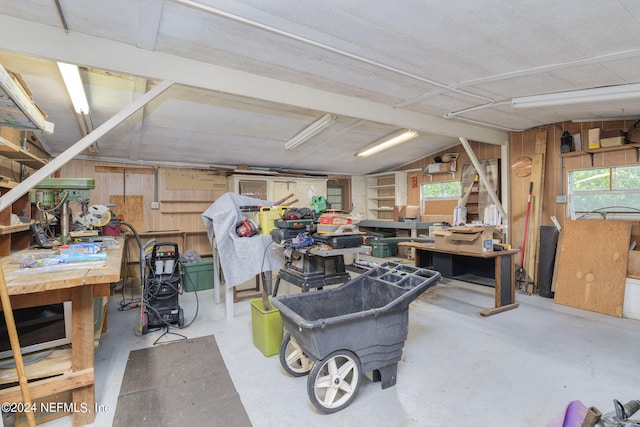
<point x="15" y="348"/>
<point x="82" y="351"/>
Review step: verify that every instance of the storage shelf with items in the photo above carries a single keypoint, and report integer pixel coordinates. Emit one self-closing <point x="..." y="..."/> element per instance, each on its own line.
<point x="477" y="196"/>
<point x="15" y="228"/>
<point x="385" y="191"/>
<point x="274" y="188"/>
<point x="593" y="151"/>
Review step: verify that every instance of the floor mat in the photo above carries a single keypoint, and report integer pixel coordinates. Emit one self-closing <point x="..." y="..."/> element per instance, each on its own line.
<point x="178" y="384"/>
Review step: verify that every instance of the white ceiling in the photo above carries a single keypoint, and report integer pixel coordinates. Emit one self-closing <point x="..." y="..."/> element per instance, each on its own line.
<point x="250" y="74"/>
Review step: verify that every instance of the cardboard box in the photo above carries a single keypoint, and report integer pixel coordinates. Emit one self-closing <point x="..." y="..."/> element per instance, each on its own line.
<point x="475" y="239"/>
<point x="610" y="133"/>
<point x="594" y="138"/>
<point x="612" y="142"/>
<point x="438" y="167"/>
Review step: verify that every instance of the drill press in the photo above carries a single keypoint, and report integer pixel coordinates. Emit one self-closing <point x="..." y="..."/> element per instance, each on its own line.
<point x="56" y="193"/>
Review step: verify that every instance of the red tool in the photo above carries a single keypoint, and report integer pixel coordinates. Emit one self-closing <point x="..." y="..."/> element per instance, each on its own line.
<point x="521" y="274"/>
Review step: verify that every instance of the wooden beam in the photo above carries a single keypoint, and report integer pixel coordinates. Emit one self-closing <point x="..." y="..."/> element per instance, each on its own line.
<point x="124" y="169"/>
<point x="483" y="176"/>
<point x="537" y="177"/>
<point x="15" y="348"/>
<point x="50" y="386"/>
<point x="84" y="143"/>
<point x="82" y="49"/>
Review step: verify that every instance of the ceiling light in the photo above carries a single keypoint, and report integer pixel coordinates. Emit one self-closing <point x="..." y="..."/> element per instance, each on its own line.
<point x="309" y="132"/>
<point x="600" y="94"/>
<point x="75" y="88"/>
<point x="387" y="142"/>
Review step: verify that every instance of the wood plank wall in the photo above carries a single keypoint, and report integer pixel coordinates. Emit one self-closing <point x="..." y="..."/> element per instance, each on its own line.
<point x="417" y="178"/>
<point x="184" y="194"/>
<point x="523" y="144"/>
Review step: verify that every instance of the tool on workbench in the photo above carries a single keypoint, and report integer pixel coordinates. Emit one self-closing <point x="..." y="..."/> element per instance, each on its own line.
<point x="521" y="274"/>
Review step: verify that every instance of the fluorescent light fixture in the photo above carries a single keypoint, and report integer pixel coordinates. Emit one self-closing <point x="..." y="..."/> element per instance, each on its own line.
<point x="75" y="88"/>
<point x="387" y="142"/>
<point x="600" y="94"/>
<point x="309" y="132"/>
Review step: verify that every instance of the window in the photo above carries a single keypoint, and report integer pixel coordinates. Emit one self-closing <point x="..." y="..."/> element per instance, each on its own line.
<point x="441" y="190"/>
<point x="334" y="196"/>
<point x="605" y="192"/>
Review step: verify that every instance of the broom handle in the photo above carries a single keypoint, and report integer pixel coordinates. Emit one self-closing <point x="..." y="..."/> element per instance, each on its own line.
<point x="526" y="224"/>
<point x="15" y="348"/>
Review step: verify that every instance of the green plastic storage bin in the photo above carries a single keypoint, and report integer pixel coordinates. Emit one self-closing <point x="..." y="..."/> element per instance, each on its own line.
<point x="383" y="249"/>
<point x="380" y="234"/>
<point x="198" y="276"/>
<point x="266" y="327"/>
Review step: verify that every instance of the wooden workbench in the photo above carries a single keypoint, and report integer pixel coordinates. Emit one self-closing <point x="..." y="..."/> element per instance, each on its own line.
<point x="503" y="268"/>
<point x="80" y="286"/>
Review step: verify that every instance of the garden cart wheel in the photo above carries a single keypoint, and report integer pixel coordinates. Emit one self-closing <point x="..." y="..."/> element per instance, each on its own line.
<point x="334" y="381"/>
<point x="293" y="359"/>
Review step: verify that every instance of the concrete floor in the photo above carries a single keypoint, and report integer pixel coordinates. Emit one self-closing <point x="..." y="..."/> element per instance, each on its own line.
<point x="517" y="368"/>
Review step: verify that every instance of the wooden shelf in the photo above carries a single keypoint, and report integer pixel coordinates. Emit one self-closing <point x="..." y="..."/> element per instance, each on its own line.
<point x="591" y="152"/>
<point x="375" y="187"/>
<point x="10" y="229"/>
<point x="383" y="192"/>
<point x="57" y="363"/>
<point x="186" y="201"/>
<point x="13" y="152"/>
<point x="180" y="212"/>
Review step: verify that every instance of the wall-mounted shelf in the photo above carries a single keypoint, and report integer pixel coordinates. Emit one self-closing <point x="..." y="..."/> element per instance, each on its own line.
<point x="15" y="236"/>
<point x="603" y="150"/>
<point x="20" y="155"/>
<point x="430" y="175"/>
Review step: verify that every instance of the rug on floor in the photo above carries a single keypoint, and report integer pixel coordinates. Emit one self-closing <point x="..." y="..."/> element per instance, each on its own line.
<point x="184" y="383"/>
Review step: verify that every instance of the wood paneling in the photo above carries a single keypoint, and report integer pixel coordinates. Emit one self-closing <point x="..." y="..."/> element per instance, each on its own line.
<point x="135" y="185"/>
<point x="557" y="168"/>
<point x="481" y="150"/>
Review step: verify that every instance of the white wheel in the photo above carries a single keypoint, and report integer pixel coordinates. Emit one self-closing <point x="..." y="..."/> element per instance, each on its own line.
<point x="334" y="381"/>
<point x="293" y="359"/>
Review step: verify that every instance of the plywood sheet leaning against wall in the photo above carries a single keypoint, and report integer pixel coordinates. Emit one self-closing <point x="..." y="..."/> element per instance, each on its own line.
<point x="591" y="265"/>
<point x="132" y="208"/>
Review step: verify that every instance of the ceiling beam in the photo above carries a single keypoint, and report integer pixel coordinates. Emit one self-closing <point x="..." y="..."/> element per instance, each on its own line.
<point x="136" y="120"/>
<point x="19" y="190"/>
<point x="49" y="42"/>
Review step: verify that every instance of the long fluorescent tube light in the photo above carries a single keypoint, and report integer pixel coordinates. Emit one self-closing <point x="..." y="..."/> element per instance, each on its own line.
<point x="309" y="132"/>
<point x="75" y="88"/>
<point x="388" y="142"/>
<point x="600" y="94"/>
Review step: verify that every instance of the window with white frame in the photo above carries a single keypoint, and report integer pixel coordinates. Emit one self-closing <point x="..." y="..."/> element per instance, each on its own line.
<point x="612" y="192"/>
<point x="441" y="190"/>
